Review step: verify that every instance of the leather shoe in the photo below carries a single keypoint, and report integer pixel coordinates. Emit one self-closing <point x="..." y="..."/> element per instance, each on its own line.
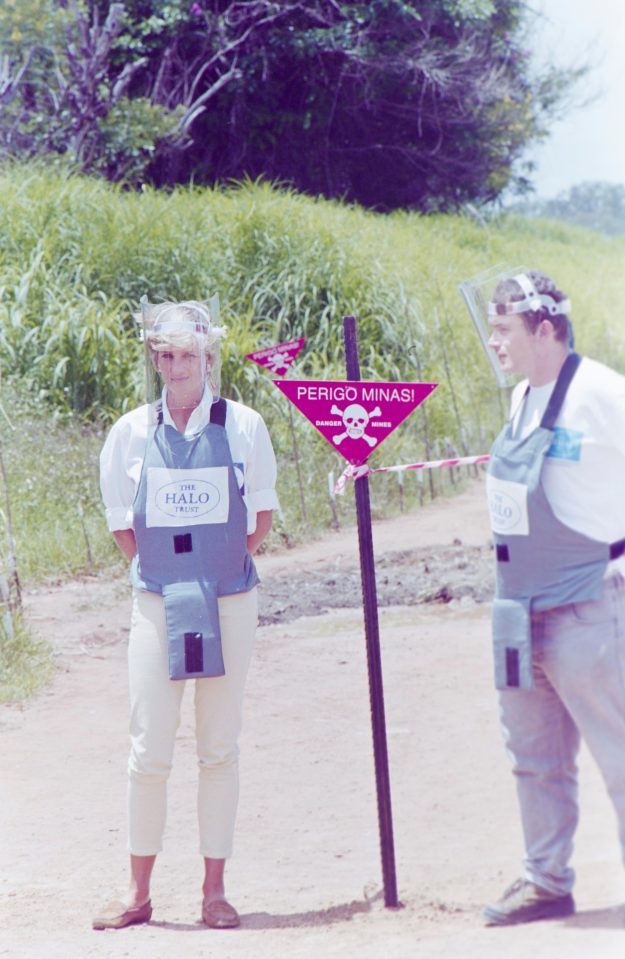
<point x="115" y="915"/>
<point x="219" y="914"/>
<point x="524" y="901"/>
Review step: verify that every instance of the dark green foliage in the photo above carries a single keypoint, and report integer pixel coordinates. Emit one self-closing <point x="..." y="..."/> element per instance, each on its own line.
<point x="62" y="92"/>
<point x="423" y="104"/>
<point x="389" y="104"/>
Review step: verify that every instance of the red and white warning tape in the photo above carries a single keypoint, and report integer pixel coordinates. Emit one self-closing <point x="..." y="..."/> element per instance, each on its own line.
<point x="356" y="472"/>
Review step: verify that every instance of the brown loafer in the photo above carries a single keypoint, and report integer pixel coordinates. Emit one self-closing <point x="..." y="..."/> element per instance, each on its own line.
<point x="116" y="915"/>
<point x="219" y="914"/>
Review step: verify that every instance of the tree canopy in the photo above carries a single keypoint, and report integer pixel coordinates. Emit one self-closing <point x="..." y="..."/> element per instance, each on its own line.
<point x="422" y="104"/>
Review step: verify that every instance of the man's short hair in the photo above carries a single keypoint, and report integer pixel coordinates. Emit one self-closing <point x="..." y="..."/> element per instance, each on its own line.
<point x="509" y="291"/>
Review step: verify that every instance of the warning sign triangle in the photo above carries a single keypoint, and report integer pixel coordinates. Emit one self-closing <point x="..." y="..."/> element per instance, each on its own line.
<point x="355" y="417"/>
<point x="277" y="359"/>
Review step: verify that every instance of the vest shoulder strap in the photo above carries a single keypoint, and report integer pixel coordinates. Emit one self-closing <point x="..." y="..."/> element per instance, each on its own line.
<point x="617" y="549"/>
<point x="568" y="371"/>
<point x="218" y="412"/>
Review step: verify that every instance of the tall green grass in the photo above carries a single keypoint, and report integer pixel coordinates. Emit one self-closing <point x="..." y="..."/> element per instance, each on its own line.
<point x="26" y="663"/>
<point x="77" y="254"/>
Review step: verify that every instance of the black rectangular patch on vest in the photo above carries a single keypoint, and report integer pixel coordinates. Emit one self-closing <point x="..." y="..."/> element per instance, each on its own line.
<point x="503" y="555"/>
<point x="193" y="653"/>
<point x="512" y="666"/>
<point x="183" y="543"/>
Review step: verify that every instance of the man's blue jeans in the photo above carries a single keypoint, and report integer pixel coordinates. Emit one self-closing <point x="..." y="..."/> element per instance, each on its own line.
<point x="579" y="671"/>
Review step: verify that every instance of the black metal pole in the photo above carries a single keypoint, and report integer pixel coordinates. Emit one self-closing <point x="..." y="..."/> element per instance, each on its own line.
<point x="298" y="470"/>
<point x="372" y="636"/>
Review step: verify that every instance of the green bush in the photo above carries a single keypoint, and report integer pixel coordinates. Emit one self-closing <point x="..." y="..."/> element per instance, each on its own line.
<point x="26" y="664"/>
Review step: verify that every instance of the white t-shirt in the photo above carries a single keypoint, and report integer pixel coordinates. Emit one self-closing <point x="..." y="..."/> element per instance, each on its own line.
<point x="584" y="472"/>
<point x="122" y="456"/>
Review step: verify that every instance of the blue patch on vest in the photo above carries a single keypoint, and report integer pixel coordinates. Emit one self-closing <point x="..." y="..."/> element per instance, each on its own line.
<point x="566" y="445"/>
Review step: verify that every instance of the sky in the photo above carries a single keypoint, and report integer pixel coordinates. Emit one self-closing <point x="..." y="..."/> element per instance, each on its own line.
<point x="590" y="143"/>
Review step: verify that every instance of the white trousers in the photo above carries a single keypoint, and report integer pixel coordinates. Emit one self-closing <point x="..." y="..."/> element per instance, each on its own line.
<point x="579" y="671"/>
<point x="155" y="702"/>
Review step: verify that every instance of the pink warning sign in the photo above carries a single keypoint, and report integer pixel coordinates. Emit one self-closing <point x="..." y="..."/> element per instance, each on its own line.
<point x="278" y="358"/>
<point x="355" y="417"/>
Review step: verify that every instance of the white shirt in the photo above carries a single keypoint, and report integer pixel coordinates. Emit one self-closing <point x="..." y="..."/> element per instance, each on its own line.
<point x="123" y="452"/>
<point x="584" y="472"/>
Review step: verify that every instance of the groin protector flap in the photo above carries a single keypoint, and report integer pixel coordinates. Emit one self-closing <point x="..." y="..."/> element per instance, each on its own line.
<point x="512" y="644"/>
<point x="193" y="634"/>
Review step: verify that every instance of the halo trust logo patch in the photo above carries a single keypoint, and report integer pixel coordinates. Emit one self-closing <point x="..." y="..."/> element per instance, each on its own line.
<point x="507" y="504"/>
<point x="194" y="498"/>
<point x="187" y="497"/>
<point x="504" y="509"/>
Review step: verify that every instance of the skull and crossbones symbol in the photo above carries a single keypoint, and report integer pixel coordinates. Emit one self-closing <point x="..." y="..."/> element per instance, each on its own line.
<point x="278" y="361"/>
<point x="355" y="420"/>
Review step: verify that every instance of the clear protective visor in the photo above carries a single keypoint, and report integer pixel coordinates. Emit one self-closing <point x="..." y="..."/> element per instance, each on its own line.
<point x="182" y="348"/>
<point x="479" y="293"/>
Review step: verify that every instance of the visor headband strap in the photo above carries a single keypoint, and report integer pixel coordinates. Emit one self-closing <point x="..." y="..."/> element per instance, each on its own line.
<point x="533" y="301"/>
<point x="201" y="325"/>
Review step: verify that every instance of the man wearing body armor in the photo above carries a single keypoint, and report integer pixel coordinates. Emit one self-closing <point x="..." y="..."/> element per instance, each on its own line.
<point x="557" y="512"/>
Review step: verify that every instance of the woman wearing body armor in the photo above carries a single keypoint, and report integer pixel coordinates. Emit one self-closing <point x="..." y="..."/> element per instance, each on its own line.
<point x="188" y="483"/>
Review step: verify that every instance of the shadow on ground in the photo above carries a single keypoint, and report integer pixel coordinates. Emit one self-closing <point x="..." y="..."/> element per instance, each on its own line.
<point x="344" y="912"/>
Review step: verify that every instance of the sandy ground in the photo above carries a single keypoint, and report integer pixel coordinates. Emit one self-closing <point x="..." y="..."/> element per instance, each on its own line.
<point x="306" y="875"/>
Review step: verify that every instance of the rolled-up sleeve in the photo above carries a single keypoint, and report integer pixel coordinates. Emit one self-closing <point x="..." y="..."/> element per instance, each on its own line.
<point x="261" y="472"/>
<point x="116" y="485"/>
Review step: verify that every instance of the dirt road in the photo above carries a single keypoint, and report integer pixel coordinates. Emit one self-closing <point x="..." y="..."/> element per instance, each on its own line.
<point x="306" y="873"/>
